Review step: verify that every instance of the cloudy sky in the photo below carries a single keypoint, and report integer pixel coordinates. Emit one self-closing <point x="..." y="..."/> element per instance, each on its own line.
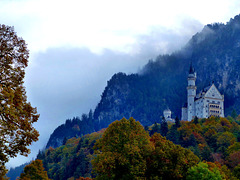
<point x="77" y="45"/>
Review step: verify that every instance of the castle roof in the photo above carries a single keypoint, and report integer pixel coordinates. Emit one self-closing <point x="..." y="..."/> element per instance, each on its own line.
<point x="167" y="110"/>
<point x="202" y="93"/>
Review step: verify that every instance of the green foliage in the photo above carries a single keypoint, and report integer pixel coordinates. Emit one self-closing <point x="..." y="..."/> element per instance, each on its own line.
<point x="234" y="114"/>
<point x="173" y="134"/>
<point x="201" y="171"/>
<point x="169" y="161"/>
<point x="127" y="152"/>
<point x="195" y="120"/>
<point x="75" y="127"/>
<point x="155" y="128"/>
<point x="34" y="170"/>
<point x="236" y="171"/>
<point x="177" y="122"/>
<point x="13" y="173"/>
<point x="213" y="139"/>
<point x="72" y="160"/>
<point x="122" y="151"/>
<point x="164" y="127"/>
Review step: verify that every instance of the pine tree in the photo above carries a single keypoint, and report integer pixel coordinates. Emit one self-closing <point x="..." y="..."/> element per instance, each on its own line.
<point x="164" y="127"/>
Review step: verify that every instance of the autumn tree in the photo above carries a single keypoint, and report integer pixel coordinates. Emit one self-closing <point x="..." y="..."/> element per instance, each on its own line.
<point x="168" y="160"/>
<point x="122" y="151"/>
<point x="127" y="152"/>
<point x="34" y="170"/>
<point x="16" y="114"/>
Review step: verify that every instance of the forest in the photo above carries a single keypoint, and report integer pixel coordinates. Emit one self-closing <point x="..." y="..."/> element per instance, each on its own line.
<point x="99" y="146"/>
<point x="200" y="149"/>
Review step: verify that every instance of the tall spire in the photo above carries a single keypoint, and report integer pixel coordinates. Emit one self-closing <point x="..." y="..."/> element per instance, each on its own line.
<point x="191" y="70"/>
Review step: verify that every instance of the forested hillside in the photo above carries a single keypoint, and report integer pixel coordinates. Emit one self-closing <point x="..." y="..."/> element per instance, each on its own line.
<point x="215" y="55"/>
<point x="125" y="150"/>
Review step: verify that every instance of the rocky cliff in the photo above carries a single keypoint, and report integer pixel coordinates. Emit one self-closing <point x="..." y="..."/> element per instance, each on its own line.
<point x="215" y="54"/>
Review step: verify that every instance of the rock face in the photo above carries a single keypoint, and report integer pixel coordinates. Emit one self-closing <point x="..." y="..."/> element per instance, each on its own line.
<point x="215" y="55"/>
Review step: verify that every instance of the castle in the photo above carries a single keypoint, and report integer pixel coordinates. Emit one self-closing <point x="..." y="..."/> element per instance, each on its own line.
<point x="208" y="102"/>
<point x="167" y="115"/>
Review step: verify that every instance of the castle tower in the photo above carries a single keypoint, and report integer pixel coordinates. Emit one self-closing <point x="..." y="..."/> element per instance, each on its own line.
<point x="167" y="114"/>
<point x="191" y="93"/>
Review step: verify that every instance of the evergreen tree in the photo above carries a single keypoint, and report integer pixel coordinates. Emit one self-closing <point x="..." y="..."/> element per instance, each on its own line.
<point x="155" y="128"/>
<point x="173" y="134"/>
<point x="177" y="122"/>
<point x="234" y="114"/>
<point x="164" y="127"/>
<point x="64" y="141"/>
<point x="195" y="120"/>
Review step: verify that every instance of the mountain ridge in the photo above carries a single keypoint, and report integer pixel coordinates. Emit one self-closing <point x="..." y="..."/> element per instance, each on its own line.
<point x="215" y="54"/>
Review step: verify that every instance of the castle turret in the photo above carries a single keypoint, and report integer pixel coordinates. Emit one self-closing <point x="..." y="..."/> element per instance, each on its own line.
<point x="167" y="114"/>
<point x="191" y="92"/>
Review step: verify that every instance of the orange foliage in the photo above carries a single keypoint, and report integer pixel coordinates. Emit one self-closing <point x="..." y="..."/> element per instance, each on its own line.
<point x="84" y="178"/>
<point x="199" y="138"/>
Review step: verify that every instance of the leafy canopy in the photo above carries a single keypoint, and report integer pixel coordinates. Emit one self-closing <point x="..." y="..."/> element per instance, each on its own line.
<point x="34" y="170"/>
<point x="122" y="151"/>
<point x="16" y="114"/>
<point x="202" y="171"/>
<point x="126" y="151"/>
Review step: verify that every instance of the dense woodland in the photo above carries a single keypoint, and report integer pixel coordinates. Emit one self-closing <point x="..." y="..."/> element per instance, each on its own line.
<point x="212" y="144"/>
<point x="161" y="84"/>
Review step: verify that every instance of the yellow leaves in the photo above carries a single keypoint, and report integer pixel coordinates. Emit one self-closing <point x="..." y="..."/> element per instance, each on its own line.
<point x="233" y="148"/>
<point x="127" y="152"/>
<point x="226" y="139"/>
<point x="16" y="115"/>
<point x="34" y="170"/>
<point x="124" y="146"/>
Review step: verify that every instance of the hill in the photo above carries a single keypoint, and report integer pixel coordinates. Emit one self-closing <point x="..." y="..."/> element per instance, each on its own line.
<point x="215" y="55"/>
<point x="215" y="141"/>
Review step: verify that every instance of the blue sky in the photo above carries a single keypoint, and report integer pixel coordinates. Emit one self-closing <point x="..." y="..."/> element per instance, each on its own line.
<point x="76" y="46"/>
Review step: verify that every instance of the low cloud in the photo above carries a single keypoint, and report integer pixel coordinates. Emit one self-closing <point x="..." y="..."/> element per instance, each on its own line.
<point x="66" y="82"/>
